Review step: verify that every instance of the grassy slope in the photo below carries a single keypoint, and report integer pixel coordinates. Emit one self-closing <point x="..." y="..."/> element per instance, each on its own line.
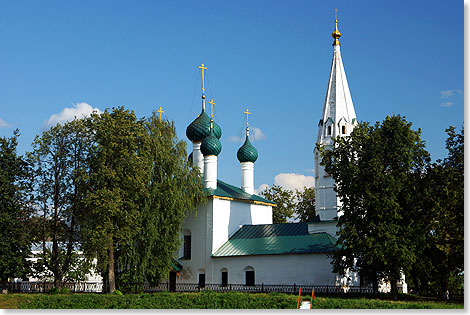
<point x="211" y="300"/>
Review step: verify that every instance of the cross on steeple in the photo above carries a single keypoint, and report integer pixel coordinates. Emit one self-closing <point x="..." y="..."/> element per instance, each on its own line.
<point x="202" y="67"/>
<point x="160" y="111"/>
<point x="247" y="112"/>
<point x="336" y="14"/>
<point x="212" y="109"/>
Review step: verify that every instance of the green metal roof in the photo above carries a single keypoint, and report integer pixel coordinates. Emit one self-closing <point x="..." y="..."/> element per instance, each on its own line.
<point x="286" y="238"/>
<point x="229" y="191"/>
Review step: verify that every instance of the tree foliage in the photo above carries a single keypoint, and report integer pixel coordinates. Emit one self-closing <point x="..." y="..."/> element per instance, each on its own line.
<point x="140" y="187"/>
<point x="372" y="170"/>
<point x="14" y="211"/>
<point x="59" y="157"/>
<point x="298" y="205"/>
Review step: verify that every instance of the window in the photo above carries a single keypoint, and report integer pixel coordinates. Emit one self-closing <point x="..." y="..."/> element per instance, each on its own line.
<point x="186" y="244"/>
<point x="343" y="129"/>
<point x="187" y="247"/>
<point x="249" y="276"/>
<point x="202" y="280"/>
<point x="224" y="277"/>
<point x="328" y="131"/>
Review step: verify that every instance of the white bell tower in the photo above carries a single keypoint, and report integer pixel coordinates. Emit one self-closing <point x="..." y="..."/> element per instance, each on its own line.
<point x="338" y="119"/>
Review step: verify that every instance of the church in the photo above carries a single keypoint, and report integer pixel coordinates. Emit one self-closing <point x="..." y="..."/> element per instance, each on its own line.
<point x="231" y="238"/>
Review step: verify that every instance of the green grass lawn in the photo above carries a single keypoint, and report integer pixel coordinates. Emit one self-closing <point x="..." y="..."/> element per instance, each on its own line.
<point x="210" y="300"/>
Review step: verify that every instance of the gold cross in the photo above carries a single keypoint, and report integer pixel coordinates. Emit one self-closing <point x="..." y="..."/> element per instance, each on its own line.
<point x="247" y="112"/>
<point x="160" y="111"/>
<point x="212" y="104"/>
<point x="336" y="14"/>
<point x="203" y="96"/>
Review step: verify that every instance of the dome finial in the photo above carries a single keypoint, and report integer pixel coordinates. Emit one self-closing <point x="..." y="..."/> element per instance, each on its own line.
<point x="336" y="34"/>
<point x="202" y="67"/>
<point x="247" y="112"/>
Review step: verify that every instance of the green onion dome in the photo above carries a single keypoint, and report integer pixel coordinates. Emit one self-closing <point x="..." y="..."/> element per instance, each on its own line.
<point x="247" y="152"/>
<point x="199" y="128"/>
<point x="211" y="145"/>
<point x="217" y="130"/>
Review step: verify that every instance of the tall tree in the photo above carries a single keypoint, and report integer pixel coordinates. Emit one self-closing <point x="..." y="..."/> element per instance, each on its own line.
<point x="441" y="254"/>
<point x="59" y="156"/>
<point x="174" y="189"/>
<point x="371" y="169"/>
<point x="117" y="180"/>
<point x="14" y="211"/>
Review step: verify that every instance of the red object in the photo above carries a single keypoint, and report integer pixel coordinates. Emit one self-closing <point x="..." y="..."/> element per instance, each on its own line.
<point x="298" y="301"/>
<point x="313" y="297"/>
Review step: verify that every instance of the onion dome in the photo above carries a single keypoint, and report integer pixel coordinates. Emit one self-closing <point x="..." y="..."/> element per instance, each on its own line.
<point x="199" y="128"/>
<point x="211" y="145"/>
<point x="217" y="130"/>
<point x="247" y="152"/>
<point x="190" y="157"/>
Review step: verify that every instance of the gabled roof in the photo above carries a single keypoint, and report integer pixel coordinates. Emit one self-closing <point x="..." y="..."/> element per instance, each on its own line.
<point x="269" y="239"/>
<point x="227" y="191"/>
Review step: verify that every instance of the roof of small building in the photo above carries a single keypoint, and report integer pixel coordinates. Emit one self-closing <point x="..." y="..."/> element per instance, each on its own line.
<point x="228" y="191"/>
<point x="269" y="239"/>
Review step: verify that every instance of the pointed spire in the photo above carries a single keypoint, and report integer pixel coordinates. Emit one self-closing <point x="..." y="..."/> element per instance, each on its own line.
<point x="336" y="34"/>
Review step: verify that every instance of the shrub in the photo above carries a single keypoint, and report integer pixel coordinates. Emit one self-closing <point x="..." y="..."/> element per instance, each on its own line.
<point x="53" y="290"/>
<point x="65" y="291"/>
<point x="117" y="292"/>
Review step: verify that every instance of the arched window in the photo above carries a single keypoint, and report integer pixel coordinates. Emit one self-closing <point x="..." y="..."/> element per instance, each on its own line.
<point x="249" y="276"/>
<point x="224" y="273"/>
<point x="187" y="244"/>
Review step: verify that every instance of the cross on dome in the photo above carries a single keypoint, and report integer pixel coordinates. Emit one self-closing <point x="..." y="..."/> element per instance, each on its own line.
<point x="160" y="111"/>
<point x="202" y="67"/>
<point x="247" y="112"/>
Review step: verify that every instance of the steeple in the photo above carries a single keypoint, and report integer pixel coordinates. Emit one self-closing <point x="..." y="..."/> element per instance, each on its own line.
<point x="338" y="119"/>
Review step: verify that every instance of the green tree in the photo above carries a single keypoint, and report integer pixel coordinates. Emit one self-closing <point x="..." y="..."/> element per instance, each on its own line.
<point x="140" y="188"/>
<point x="298" y="205"/>
<point x="371" y="169"/>
<point x="305" y="204"/>
<point x="285" y="203"/>
<point x="441" y="254"/>
<point x="117" y="180"/>
<point x="59" y="157"/>
<point x="174" y="189"/>
<point x="14" y="211"/>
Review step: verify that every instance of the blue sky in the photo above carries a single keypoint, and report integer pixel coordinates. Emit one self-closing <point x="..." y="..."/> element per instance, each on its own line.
<point x="274" y="57"/>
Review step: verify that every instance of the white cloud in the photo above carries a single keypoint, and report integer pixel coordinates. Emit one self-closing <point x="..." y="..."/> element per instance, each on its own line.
<point x="294" y="181"/>
<point x="447" y="104"/>
<point x="255" y="135"/>
<point x="261" y="188"/>
<point x="449" y="93"/>
<point x="78" y="111"/>
<point x="290" y="181"/>
<point x="4" y="124"/>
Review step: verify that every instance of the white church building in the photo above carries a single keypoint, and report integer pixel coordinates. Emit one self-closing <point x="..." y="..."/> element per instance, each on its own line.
<point x="231" y="238"/>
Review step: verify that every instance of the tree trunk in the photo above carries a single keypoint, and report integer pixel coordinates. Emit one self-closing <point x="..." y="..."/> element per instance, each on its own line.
<point x="394" y="289"/>
<point x="4" y="286"/>
<point x="111" y="281"/>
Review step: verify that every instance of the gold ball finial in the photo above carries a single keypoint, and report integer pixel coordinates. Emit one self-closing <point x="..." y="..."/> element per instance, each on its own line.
<point x="336" y="34"/>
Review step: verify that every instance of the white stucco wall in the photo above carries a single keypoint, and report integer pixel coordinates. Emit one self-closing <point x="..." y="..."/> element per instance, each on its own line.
<point x="276" y="269"/>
